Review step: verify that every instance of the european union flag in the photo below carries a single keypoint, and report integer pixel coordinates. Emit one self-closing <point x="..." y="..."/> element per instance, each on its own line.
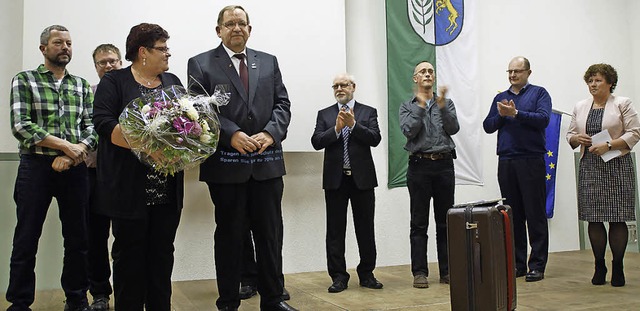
<point x="551" y="159"/>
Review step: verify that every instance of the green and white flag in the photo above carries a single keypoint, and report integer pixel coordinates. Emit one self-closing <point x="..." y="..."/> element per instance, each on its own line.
<point x="442" y="32"/>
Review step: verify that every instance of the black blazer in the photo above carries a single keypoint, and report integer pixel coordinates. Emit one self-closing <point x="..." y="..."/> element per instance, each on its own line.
<point x="120" y="184"/>
<point x="265" y="108"/>
<point x="364" y="135"/>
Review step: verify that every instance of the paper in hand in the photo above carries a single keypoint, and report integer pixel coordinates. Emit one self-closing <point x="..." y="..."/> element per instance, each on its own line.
<point x="604" y="137"/>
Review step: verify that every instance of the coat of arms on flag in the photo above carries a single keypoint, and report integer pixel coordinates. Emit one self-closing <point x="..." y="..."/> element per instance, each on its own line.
<point x="437" y="24"/>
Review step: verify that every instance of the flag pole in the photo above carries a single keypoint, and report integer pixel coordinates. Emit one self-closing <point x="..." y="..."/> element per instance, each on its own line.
<point x="560" y="112"/>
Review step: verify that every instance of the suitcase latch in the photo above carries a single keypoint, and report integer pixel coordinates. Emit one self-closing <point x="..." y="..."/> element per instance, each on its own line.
<point x="471" y="225"/>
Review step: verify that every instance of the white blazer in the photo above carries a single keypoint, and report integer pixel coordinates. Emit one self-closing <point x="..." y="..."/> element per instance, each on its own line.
<point x="620" y="119"/>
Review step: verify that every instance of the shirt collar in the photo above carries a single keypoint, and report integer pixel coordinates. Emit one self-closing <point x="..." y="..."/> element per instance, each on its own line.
<point x="231" y="53"/>
<point x="521" y="90"/>
<point x="433" y="99"/>
<point x="350" y="104"/>
<point x="42" y="70"/>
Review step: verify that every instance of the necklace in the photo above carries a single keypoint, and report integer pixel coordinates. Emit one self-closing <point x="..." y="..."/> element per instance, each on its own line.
<point x="597" y="105"/>
<point x="143" y="78"/>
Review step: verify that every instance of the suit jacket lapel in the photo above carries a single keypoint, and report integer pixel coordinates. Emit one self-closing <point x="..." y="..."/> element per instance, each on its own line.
<point x="356" y="111"/>
<point x="253" y="64"/>
<point x="223" y="60"/>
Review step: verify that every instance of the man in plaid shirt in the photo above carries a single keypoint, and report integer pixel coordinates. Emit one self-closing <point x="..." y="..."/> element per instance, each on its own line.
<point x="51" y="118"/>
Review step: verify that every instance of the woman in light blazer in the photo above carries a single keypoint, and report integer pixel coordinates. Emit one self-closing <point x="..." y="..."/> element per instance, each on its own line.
<point x="606" y="190"/>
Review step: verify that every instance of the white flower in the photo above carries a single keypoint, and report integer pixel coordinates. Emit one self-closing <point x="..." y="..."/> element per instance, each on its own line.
<point x="145" y="109"/>
<point x="156" y="124"/>
<point x="205" y="138"/>
<point x="187" y="106"/>
<point x="204" y="125"/>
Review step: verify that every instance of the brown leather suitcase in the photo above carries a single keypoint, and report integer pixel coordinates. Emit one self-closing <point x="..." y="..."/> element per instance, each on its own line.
<point x="481" y="257"/>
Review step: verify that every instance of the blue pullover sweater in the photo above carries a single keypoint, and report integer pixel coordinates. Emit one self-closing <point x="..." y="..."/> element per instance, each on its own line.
<point x="523" y="136"/>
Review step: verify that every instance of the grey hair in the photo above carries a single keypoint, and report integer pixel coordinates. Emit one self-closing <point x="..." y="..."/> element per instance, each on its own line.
<point x="46" y="33"/>
<point x="349" y="77"/>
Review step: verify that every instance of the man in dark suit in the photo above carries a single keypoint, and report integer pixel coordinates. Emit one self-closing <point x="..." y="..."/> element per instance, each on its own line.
<point x="244" y="175"/>
<point x="347" y="130"/>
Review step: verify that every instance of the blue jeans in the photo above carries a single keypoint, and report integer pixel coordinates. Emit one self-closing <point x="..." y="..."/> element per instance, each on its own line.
<point x="36" y="184"/>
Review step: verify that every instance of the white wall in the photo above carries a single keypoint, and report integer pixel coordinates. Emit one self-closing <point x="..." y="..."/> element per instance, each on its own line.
<point x="11" y="22"/>
<point x="561" y="38"/>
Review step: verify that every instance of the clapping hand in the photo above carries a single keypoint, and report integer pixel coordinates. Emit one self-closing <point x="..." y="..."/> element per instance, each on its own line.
<point x="442" y="93"/>
<point x="345" y="118"/>
<point x="506" y="108"/>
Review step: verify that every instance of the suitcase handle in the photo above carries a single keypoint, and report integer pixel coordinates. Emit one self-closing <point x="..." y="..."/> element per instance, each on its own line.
<point x="509" y="249"/>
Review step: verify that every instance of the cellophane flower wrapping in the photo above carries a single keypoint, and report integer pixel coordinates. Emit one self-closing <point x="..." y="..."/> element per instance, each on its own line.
<point x="172" y="130"/>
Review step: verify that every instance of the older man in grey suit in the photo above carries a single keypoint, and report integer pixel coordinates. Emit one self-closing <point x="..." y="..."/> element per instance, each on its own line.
<point x="244" y="176"/>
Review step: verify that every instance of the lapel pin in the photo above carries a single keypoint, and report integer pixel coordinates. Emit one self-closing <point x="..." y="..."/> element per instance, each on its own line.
<point x="253" y="66"/>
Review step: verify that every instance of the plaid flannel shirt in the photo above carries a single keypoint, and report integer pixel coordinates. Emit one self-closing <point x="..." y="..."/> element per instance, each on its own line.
<point x="40" y="107"/>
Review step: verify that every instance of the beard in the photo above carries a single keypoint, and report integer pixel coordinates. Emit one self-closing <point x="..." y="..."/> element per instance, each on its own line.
<point x="59" y="60"/>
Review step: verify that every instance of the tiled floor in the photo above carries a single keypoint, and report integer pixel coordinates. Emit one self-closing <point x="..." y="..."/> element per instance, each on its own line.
<point x="566" y="287"/>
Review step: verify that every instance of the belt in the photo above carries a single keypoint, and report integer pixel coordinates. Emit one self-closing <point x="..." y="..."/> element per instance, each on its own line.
<point x="346" y="171"/>
<point x="433" y="156"/>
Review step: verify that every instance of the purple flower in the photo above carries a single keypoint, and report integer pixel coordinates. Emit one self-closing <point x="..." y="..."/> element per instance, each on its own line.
<point x="197" y="129"/>
<point x="185" y="126"/>
<point x="159" y="105"/>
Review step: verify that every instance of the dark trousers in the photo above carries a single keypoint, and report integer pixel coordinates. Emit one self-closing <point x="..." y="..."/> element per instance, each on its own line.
<point x="428" y="179"/>
<point x="143" y="259"/>
<point x="363" y="209"/>
<point x="522" y="184"/>
<point x="249" y="275"/>
<point x="36" y="184"/>
<point x="259" y="204"/>
<point x="98" y="228"/>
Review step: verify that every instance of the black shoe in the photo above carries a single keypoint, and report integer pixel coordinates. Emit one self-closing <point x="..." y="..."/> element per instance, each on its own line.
<point x="520" y="273"/>
<point x="285" y="294"/>
<point x="81" y="307"/>
<point x="534" y="276"/>
<point x="338" y="286"/>
<point x="247" y="291"/>
<point x="281" y="306"/>
<point x="100" y="303"/>
<point x="617" y="274"/>
<point x="371" y="283"/>
<point x="444" y="279"/>
<point x="600" y="275"/>
<point x="228" y="309"/>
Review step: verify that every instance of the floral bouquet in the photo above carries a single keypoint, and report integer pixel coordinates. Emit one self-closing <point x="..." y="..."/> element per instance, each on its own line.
<point x="172" y="130"/>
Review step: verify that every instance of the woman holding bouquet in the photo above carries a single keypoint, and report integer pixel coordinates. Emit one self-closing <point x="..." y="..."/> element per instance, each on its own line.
<point x="144" y="205"/>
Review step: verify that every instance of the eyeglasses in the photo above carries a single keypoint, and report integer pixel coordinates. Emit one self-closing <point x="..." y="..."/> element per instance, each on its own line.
<point x="516" y="71"/>
<point x="162" y="49"/>
<point x="231" y="25"/>
<point x="424" y="72"/>
<point x="341" y="85"/>
<point x="103" y="63"/>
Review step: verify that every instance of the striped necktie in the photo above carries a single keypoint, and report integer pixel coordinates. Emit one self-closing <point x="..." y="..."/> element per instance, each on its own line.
<point x="345" y="143"/>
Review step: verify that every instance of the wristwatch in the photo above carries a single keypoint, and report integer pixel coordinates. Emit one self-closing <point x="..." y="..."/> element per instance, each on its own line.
<point x="609" y="144"/>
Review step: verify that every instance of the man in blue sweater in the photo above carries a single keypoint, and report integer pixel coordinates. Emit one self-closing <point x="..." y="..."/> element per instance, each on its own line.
<point x="520" y="115"/>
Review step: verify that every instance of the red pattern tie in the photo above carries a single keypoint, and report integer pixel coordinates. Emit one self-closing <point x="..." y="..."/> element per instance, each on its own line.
<point x="244" y="72"/>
